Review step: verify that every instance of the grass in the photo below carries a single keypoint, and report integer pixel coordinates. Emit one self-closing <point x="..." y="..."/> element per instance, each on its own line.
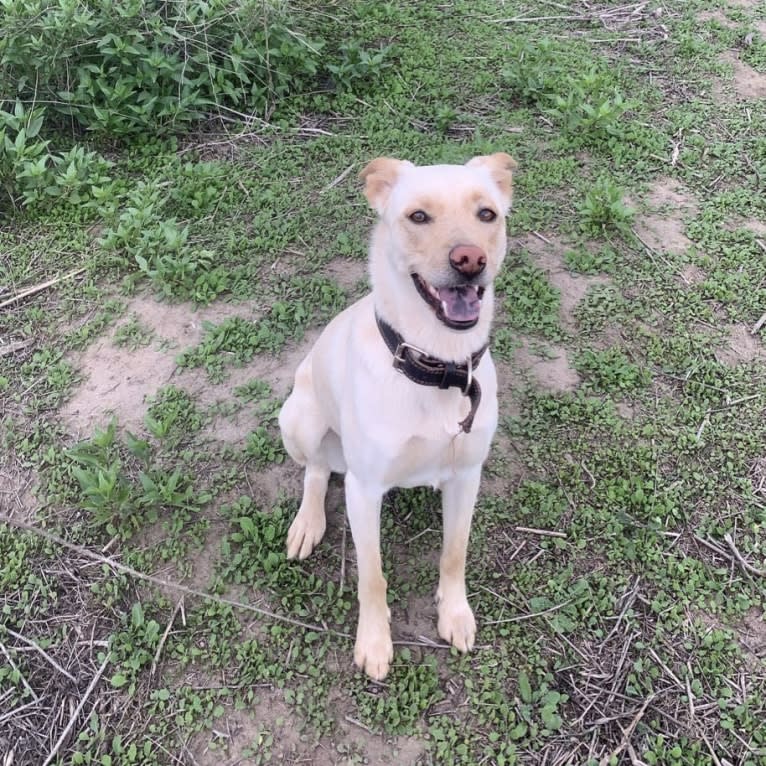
<point x="617" y="561"/>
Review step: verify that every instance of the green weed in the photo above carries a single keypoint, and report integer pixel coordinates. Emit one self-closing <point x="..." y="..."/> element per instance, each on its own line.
<point x="529" y="301"/>
<point x="603" y="210"/>
<point x="610" y="370"/>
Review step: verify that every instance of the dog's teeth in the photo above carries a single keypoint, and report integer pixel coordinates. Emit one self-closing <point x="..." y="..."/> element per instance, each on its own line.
<point x="444" y="306"/>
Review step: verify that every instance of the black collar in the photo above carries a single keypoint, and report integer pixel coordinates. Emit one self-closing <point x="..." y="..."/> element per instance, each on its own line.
<point x="426" y="370"/>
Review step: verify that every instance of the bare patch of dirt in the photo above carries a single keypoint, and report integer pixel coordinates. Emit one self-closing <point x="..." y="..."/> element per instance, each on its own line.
<point x="692" y="275"/>
<point x="741" y="347"/>
<point x="750" y="631"/>
<point x="554" y="373"/>
<point x="420" y="617"/>
<point x="757" y="227"/>
<point x="377" y="749"/>
<point x="753" y="633"/>
<point x="507" y="389"/>
<point x="662" y="229"/>
<point x="718" y="16"/>
<point x="349" y="273"/>
<point x="117" y="381"/>
<point x="625" y="410"/>
<point x="748" y="82"/>
<point x="278" y="371"/>
<point x="246" y="730"/>
<point x="549" y="256"/>
<point x="239" y="734"/>
<point x="671" y="193"/>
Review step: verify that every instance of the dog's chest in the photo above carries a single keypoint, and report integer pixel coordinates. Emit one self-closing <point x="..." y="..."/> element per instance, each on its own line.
<point x="432" y="460"/>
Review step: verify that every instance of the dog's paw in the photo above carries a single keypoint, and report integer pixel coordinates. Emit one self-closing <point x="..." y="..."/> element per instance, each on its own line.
<point x="304" y="534"/>
<point x="457" y="624"/>
<point x="374" y="650"/>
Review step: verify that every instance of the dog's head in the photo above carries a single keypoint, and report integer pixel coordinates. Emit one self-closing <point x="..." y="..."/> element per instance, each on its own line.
<point x="444" y="228"/>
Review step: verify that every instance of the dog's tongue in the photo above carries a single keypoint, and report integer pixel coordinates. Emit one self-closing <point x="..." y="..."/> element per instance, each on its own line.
<point x="460" y="304"/>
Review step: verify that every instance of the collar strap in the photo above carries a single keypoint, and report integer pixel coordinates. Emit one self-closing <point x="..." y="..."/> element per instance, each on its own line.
<point x="426" y="370"/>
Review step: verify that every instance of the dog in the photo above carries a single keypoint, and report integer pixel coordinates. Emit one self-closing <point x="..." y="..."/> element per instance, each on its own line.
<point x="400" y="389"/>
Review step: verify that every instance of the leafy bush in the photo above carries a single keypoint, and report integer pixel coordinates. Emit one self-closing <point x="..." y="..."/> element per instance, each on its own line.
<point x="122" y="67"/>
<point x="30" y="173"/>
<point x="603" y="208"/>
<point x="588" y="105"/>
<point x="357" y="64"/>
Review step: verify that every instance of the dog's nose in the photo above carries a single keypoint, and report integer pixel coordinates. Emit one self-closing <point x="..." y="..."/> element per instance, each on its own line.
<point x="469" y="260"/>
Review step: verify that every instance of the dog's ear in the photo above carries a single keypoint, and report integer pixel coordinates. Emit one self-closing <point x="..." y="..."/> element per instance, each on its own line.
<point x="379" y="178"/>
<point x="501" y="167"/>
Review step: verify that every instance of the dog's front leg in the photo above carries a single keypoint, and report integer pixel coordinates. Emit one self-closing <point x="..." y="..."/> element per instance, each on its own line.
<point x="456" y="621"/>
<point x="373" y="651"/>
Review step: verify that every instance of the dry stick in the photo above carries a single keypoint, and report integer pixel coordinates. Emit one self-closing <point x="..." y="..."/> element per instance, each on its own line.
<point x="715" y="758"/>
<point x="343" y="557"/>
<point x="78" y="709"/>
<point x="338" y="179"/>
<point x="12" y="348"/>
<point x="628" y="733"/>
<point x="12" y="713"/>
<point x="165" y="637"/>
<point x="744" y="564"/>
<point x="358" y="723"/>
<point x="21" y="676"/>
<point x="542" y="532"/>
<point x="760" y="323"/>
<point x="39" y="288"/>
<point x="658" y="660"/>
<point x="517" y="19"/>
<point x="162" y="582"/>
<point x="712" y="546"/>
<point x="522" y="617"/>
<point x="42" y="651"/>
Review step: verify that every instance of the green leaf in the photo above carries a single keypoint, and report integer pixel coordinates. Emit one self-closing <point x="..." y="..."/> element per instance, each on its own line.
<point x="137" y="615"/>
<point x="525" y="690"/>
<point x="118" y="680"/>
<point x="551" y="719"/>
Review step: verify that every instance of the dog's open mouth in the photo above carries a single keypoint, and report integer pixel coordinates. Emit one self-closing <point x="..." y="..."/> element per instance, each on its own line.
<point x="458" y="307"/>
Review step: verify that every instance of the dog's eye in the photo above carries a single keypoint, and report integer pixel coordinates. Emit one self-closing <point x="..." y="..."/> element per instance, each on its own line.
<point x="419" y="216"/>
<point x="486" y="215"/>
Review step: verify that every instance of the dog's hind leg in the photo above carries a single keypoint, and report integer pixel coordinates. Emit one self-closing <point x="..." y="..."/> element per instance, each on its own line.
<point x="303" y="433"/>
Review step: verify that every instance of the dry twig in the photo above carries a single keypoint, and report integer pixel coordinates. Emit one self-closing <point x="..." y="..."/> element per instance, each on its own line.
<point x="37" y="647"/>
<point x="737" y="555"/>
<point x="78" y="710"/>
<point x="39" y="288"/>
<point x="85" y="553"/>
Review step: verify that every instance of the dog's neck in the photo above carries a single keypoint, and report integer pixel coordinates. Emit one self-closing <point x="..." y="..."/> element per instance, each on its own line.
<point x="398" y="303"/>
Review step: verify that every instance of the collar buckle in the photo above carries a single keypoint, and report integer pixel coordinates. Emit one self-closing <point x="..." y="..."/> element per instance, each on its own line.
<point x="399" y="354"/>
